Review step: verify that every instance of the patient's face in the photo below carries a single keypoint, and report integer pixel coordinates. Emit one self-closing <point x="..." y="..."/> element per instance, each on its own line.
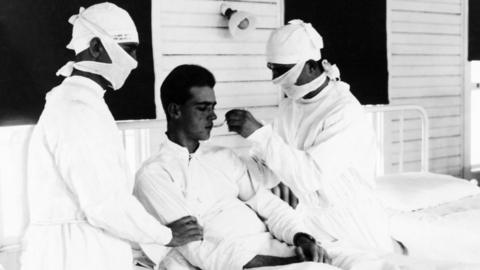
<point x="197" y="114"/>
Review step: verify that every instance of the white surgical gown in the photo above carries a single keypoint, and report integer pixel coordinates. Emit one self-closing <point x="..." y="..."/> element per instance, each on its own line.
<point x="210" y="184"/>
<point x="82" y="212"/>
<point x="324" y="150"/>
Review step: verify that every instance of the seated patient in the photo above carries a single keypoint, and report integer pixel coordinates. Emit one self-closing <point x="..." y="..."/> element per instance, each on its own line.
<point x="187" y="177"/>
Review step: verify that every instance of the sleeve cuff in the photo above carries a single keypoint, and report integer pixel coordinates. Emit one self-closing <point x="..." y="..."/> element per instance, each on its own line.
<point x="156" y="253"/>
<point x="259" y="140"/>
<point x="165" y="236"/>
<point x="289" y="236"/>
<point x="302" y="234"/>
<point x="261" y="135"/>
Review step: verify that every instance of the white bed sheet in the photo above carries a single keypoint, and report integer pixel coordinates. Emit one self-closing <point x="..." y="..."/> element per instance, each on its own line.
<point x="450" y="231"/>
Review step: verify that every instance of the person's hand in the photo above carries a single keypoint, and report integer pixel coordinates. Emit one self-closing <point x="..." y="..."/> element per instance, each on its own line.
<point x="308" y="250"/>
<point x="242" y="122"/>
<point x="184" y="231"/>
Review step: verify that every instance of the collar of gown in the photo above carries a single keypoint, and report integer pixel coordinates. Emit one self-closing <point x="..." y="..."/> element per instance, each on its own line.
<point x="181" y="151"/>
<point x="89" y="84"/>
<point x="77" y="88"/>
<point x="321" y="95"/>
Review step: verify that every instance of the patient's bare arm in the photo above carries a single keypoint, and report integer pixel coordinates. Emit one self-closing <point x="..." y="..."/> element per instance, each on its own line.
<point x="184" y="231"/>
<point x="262" y="260"/>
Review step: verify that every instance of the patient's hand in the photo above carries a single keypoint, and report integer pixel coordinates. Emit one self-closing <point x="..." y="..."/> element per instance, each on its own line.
<point x="308" y="250"/>
<point x="184" y="231"/>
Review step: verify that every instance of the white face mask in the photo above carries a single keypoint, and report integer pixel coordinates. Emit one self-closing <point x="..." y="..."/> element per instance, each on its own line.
<point x="287" y="81"/>
<point x="296" y="92"/>
<point x="116" y="72"/>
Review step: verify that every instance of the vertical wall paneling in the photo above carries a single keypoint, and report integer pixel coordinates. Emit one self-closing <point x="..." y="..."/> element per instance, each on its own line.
<point x="427" y="66"/>
<point x="194" y="32"/>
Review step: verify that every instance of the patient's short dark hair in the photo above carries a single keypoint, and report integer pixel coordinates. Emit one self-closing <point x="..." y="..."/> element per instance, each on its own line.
<point x="176" y="86"/>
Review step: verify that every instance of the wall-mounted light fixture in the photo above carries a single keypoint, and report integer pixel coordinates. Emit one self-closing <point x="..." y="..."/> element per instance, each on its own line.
<point x="240" y="24"/>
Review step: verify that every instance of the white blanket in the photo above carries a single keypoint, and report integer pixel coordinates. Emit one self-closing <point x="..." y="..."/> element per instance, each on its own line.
<point x="448" y="231"/>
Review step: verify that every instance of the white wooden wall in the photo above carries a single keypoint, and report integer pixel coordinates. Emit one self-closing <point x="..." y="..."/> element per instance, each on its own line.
<point x="426" y="62"/>
<point x="194" y="32"/>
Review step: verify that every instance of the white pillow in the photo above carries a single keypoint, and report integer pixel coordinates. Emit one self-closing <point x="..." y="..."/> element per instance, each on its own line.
<point x="413" y="191"/>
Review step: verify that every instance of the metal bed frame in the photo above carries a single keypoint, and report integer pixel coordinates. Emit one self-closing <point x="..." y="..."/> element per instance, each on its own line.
<point x="379" y="111"/>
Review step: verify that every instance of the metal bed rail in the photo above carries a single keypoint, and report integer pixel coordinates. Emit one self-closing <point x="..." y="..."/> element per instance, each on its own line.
<point x="380" y="110"/>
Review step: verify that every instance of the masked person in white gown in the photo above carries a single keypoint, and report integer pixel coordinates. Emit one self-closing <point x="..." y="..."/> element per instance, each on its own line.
<point x="322" y="147"/>
<point x="82" y="212"/>
<point x="321" y="144"/>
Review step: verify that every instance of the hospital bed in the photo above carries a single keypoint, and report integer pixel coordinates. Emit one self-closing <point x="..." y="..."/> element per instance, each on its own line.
<point x="436" y="216"/>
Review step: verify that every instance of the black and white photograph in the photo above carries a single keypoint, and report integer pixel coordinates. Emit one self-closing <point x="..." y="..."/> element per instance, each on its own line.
<point x="239" y="134"/>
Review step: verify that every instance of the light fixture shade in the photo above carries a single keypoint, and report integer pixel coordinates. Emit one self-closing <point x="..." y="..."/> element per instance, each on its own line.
<point x="242" y="24"/>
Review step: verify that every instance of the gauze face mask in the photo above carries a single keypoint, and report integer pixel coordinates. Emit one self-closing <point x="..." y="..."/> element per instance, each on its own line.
<point x="287" y="81"/>
<point x="295" y="92"/>
<point x="116" y="72"/>
<point x="290" y="78"/>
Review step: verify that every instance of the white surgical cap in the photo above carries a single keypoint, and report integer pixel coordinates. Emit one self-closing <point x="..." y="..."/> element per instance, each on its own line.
<point x="115" y="21"/>
<point x="293" y="43"/>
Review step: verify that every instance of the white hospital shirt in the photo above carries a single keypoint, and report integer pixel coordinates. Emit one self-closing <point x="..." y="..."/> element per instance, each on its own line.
<point x="324" y="150"/>
<point x="211" y="184"/>
<point x="82" y="212"/>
